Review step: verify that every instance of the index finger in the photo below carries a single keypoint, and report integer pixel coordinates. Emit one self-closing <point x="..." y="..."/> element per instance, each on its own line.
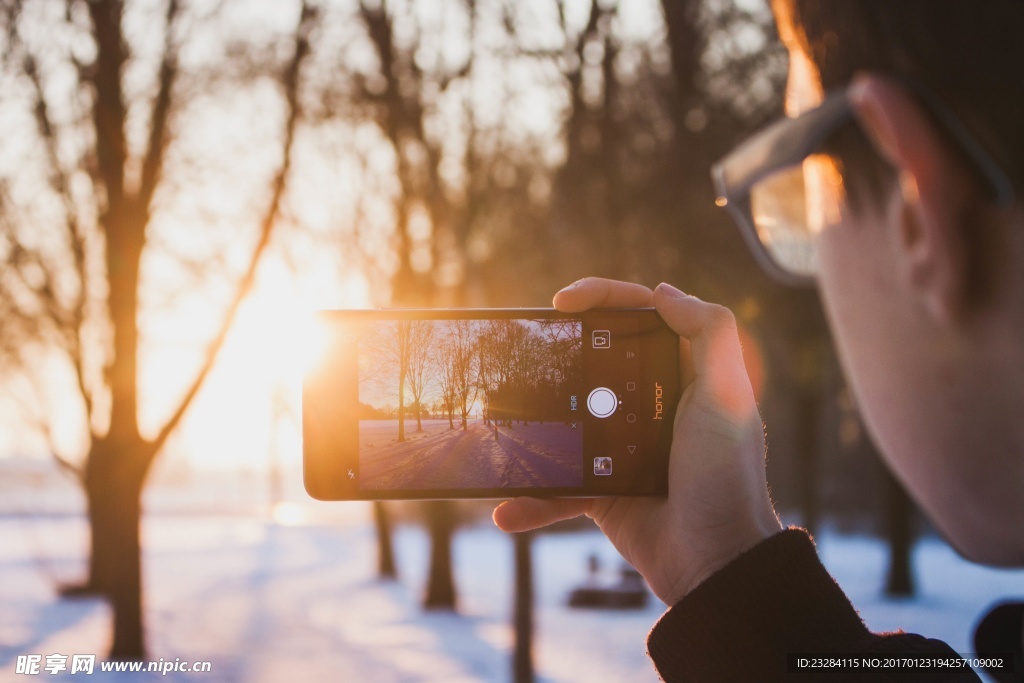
<point x="599" y="292"/>
<point x="714" y="349"/>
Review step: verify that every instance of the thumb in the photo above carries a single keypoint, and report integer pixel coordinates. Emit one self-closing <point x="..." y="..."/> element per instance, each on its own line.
<point x="719" y="374"/>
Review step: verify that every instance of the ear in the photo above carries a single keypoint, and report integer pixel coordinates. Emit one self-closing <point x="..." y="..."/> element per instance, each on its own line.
<point x="935" y="194"/>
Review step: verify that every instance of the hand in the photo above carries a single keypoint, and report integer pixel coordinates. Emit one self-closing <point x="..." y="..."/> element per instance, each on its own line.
<point x="718" y="504"/>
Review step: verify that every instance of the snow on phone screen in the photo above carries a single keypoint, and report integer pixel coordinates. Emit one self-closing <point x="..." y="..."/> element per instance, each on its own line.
<point x="474" y="404"/>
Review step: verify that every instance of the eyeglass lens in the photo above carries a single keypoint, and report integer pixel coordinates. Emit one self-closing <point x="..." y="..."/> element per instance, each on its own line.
<point x="790" y="209"/>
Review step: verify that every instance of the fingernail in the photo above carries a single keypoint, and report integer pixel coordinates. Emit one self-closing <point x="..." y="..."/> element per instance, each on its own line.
<point x="572" y="286"/>
<point x="668" y="290"/>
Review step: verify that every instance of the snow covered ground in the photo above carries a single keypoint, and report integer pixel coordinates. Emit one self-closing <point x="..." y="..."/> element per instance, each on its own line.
<point x="482" y="456"/>
<point x="273" y="602"/>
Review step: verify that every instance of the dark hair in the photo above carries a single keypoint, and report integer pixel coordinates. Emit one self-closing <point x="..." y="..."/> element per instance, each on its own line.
<point x="969" y="54"/>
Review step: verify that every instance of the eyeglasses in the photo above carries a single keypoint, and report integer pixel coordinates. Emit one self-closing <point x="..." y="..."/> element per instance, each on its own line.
<point x="775" y="183"/>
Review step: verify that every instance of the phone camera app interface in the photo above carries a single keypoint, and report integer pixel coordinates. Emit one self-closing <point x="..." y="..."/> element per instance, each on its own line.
<point x="471" y="404"/>
<point x="624" y="398"/>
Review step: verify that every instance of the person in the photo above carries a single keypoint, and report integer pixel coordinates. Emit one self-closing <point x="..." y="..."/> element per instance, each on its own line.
<point x="895" y="185"/>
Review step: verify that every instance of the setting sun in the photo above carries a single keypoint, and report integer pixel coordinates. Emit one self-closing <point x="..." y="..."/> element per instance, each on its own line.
<point x="247" y="413"/>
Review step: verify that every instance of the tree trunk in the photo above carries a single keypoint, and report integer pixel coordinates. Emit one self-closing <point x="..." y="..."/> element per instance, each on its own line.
<point x="899" y="531"/>
<point x="522" y="656"/>
<point x="440" y="593"/>
<point x="385" y="551"/>
<point x="401" y="408"/>
<point x="113" y="488"/>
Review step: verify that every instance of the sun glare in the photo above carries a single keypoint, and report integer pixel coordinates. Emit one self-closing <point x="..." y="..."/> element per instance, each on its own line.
<point x="247" y="414"/>
<point x="280" y="339"/>
<point x="313" y="338"/>
<point x="283" y="333"/>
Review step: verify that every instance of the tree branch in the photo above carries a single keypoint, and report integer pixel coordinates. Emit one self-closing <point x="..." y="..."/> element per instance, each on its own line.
<point x="291" y="92"/>
<point x="31" y="415"/>
<point x="152" y="162"/>
<point x="58" y="178"/>
<point x="66" y="465"/>
<point x="67" y="319"/>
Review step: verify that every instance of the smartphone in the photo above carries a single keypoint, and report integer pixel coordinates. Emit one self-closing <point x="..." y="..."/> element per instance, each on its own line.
<point x="490" y="403"/>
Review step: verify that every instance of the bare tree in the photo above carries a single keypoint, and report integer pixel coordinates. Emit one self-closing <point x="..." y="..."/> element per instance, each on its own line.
<point x="403" y="358"/>
<point x="392" y="354"/>
<point x="446" y="376"/>
<point x="400" y="110"/>
<point x="421" y="358"/>
<point x="462" y="340"/>
<point x="467" y="191"/>
<point x="72" y="257"/>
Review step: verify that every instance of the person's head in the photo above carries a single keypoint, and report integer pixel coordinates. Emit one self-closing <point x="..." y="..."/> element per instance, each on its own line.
<point x="921" y="271"/>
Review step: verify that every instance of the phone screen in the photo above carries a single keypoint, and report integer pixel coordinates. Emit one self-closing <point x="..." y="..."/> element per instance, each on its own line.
<point x="448" y="404"/>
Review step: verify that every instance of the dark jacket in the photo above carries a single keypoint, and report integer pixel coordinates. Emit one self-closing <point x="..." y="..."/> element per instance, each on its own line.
<point x="748" y="620"/>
